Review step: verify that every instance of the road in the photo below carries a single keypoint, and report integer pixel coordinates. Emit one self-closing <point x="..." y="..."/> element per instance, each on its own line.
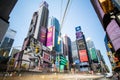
<point x="53" y="76"/>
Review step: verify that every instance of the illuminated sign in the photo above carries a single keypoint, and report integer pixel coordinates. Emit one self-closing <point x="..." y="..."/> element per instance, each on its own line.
<point x="113" y="31"/>
<point x="50" y="36"/>
<point x="43" y="35"/>
<point x="81" y="44"/>
<point x="83" y="56"/>
<point x="79" y="35"/>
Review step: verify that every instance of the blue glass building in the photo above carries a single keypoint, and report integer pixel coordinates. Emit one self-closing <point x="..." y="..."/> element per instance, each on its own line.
<point x="55" y="23"/>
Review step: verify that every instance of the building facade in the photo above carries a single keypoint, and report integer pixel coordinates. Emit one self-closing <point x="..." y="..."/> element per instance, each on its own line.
<point x="55" y="23"/>
<point x="5" y="10"/>
<point x="82" y="50"/>
<point x="108" y="13"/>
<point x="92" y="50"/>
<point x="8" y="41"/>
<point x="67" y="50"/>
<point x="38" y="55"/>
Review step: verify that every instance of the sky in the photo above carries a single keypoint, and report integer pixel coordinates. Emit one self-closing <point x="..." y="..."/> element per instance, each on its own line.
<point x="80" y="13"/>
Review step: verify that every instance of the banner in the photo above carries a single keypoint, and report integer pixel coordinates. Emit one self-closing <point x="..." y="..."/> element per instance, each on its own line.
<point x="79" y="35"/>
<point x="50" y="36"/>
<point x="81" y="44"/>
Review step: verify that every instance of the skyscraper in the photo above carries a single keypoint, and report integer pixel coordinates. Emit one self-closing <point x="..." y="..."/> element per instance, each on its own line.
<point x="39" y="22"/>
<point x="67" y="50"/>
<point x="108" y="12"/>
<point x="92" y="50"/>
<point x="55" y="23"/>
<point x="92" y="54"/>
<point x="8" y="41"/>
<point x="82" y="49"/>
<point x="6" y="7"/>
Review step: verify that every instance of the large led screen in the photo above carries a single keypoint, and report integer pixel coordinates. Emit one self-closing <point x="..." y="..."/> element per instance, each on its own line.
<point x="78" y="29"/>
<point x="50" y="35"/>
<point x="79" y="35"/>
<point x="81" y="44"/>
<point x="83" y="56"/>
<point x="113" y="31"/>
<point x="43" y="35"/>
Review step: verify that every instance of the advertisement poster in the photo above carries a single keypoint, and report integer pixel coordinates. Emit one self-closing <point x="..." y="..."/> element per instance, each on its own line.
<point x="83" y="56"/>
<point x="43" y="35"/>
<point x="113" y="31"/>
<point x="50" y="35"/>
<point x="79" y="35"/>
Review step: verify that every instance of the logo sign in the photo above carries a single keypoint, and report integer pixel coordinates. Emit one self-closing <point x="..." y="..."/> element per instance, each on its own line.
<point x="83" y="56"/>
<point x="78" y="28"/>
<point x="113" y="30"/>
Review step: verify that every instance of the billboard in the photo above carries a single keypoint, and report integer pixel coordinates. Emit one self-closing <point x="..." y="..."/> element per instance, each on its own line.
<point x="93" y="54"/>
<point x="79" y="35"/>
<point x="50" y="36"/>
<point x="83" y="56"/>
<point x="113" y="31"/>
<point x="46" y="56"/>
<point x="81" y="44"/>
<point x="77" y="29"/>
<point x="42" y="37"/>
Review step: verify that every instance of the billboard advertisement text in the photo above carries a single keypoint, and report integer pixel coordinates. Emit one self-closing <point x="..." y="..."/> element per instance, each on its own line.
<point x="78" y="29"/>
<point x="79" y="35"/>
<point x="81" y="44"/>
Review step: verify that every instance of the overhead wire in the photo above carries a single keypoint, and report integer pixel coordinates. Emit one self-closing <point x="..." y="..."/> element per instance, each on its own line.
<point x="64" y="15"/>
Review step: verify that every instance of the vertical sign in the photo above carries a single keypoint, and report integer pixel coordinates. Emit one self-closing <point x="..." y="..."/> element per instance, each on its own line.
<point x="113" y="31"/>
<point x="50" y="36"/>
<point x="43" y="35"/>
